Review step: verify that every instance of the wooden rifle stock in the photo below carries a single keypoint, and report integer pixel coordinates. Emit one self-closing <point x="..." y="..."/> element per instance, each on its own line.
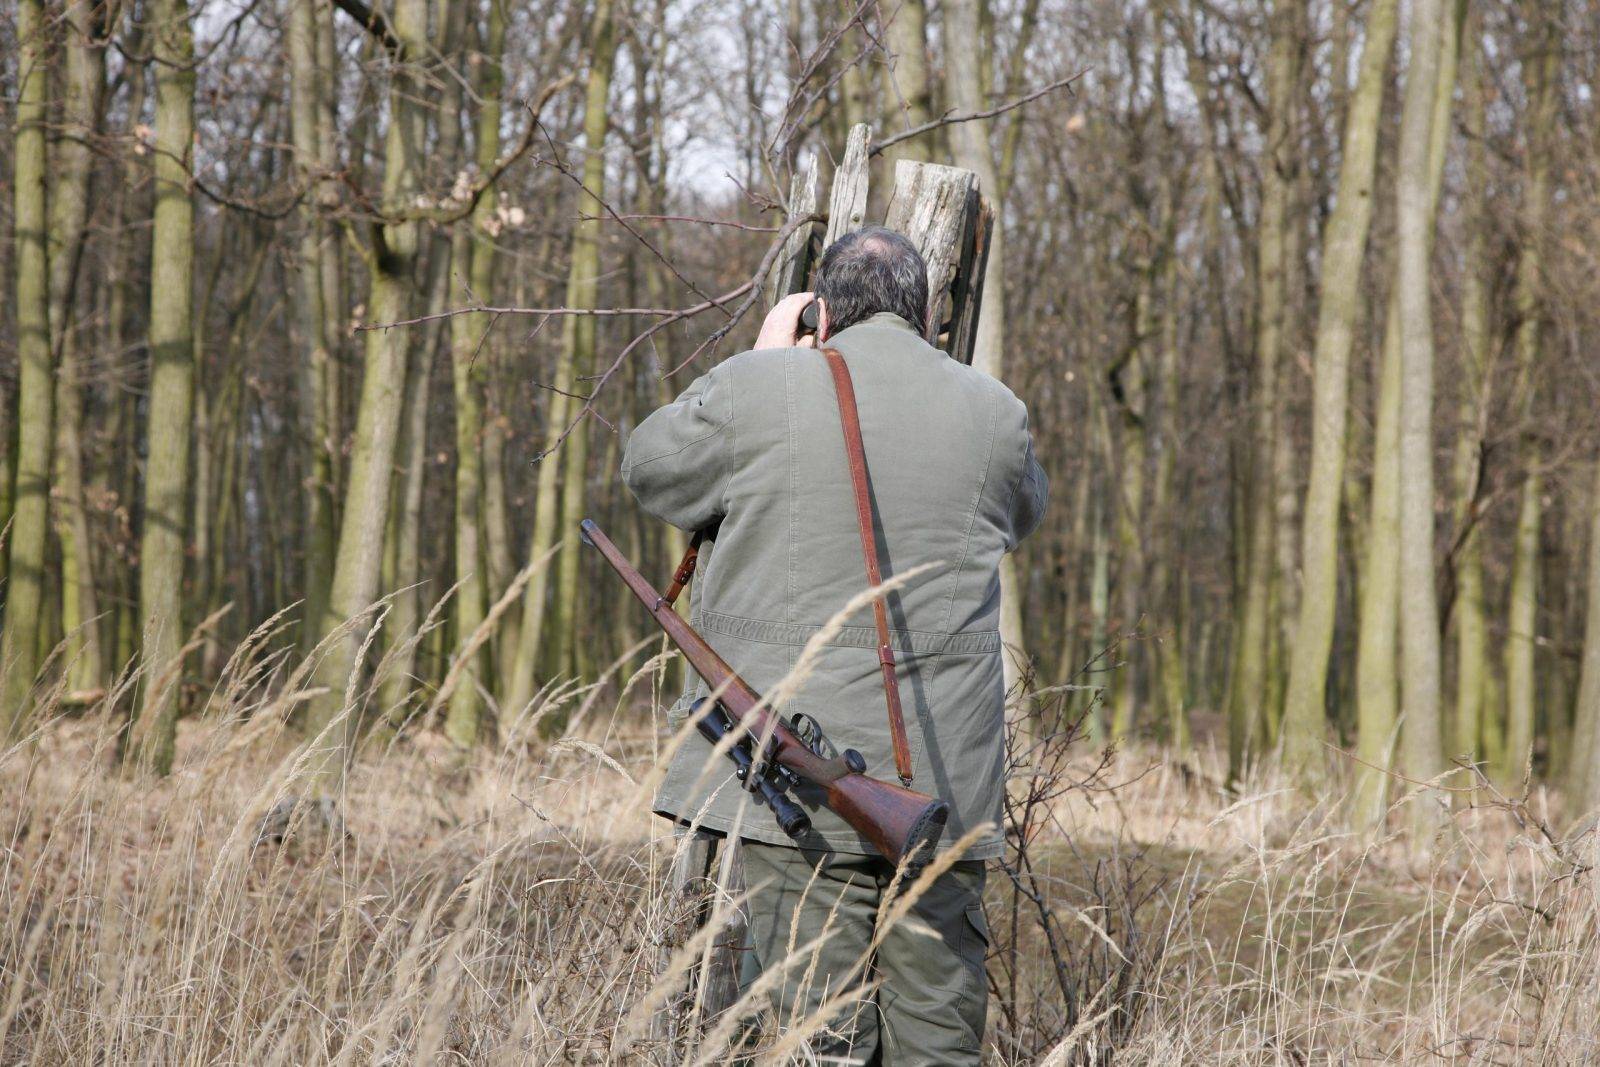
<point x="899" y="822"/>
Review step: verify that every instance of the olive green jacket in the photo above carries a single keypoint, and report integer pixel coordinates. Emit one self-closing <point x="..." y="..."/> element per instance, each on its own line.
<point x="755" y="449"/>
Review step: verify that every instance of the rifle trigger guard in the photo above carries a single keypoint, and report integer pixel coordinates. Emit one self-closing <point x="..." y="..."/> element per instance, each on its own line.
<point x="810" y="733"/>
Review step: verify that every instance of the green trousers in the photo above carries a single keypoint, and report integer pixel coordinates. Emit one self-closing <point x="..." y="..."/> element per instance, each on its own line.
<point x="931" y="992"/>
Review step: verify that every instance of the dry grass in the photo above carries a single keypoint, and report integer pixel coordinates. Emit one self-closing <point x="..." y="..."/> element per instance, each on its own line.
<point x="514" y="909"/>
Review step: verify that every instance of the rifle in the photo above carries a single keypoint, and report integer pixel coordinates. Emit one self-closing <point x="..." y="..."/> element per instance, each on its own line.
<point x="901" y="823"/>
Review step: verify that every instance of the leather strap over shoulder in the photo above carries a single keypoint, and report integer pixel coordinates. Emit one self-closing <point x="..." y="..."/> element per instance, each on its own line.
<point x="855" y="453"/>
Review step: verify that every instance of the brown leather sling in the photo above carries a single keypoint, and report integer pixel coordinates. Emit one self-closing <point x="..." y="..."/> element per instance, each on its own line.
<point x="844" y="389"/>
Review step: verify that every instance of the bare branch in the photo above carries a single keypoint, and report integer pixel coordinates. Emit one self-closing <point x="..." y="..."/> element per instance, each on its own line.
<point x="376" y="23"/>
<point x="949" y="118"/>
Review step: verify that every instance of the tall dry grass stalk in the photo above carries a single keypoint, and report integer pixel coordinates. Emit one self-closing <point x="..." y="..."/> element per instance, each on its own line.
<point x="512" y="905"/>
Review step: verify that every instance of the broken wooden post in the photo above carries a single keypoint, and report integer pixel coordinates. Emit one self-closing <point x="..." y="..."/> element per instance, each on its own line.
<point x="847" y="201"/>
<point x="701" y="864"/>
<point x="793" y="268"/>
<point x="940" y="210"/>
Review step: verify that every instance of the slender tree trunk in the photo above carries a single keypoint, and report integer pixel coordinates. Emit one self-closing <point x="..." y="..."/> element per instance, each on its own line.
<point x="1128" y="385"/>
<point x="1247" y="706"/>
<point x="331" y="268"/>
<point x="1472" y="637"/>
<point x="905" y="82"/>
<point x="115" y="459"/>
<point x="1099" y="609"/>
<point x="1420" y="674"/>
<point x="469" y="340"/>
<point x="579" y="334"/>
<point x="1339" y="309"/>
<point x="19" y="646"/>
<point x="520" y="684"/>
<point x="1072" y="652"/>
<point x="1168" y="561"/>
<point x="403" y="543"/>
<point x="166" y="483"/>
<point x="447" y="250"/>
<point x="1284" y="598"/>
<point x="969" y="143"/>
<point x="312" y="316"/>
<point x="1585" y="783"/>
<point x="72" y="167"/>
<point x="1377" y="673"/>
<point x="358" y="561"/>
<point x="1522" y="622"/>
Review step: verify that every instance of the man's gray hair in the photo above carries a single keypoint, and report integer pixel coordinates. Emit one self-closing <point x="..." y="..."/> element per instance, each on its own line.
<point x="871" y="270"/>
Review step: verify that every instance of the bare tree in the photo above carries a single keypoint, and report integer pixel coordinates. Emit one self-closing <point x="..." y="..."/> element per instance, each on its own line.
<point x="1344" y="243"/>
<point x="1539" y="72"/>
<point x="390" y="262"/>
<point x="19" y="647"/>
<point x="1248" y="710"/>
<point x="1419" y="608"/>
<point x="166" y="483"/>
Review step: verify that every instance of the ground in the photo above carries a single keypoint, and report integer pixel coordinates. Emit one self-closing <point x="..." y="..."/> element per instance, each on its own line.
<point x="513" y="907"/>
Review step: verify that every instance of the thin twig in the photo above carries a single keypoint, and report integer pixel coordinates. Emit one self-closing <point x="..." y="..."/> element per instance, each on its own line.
<point x="949" y="118"/>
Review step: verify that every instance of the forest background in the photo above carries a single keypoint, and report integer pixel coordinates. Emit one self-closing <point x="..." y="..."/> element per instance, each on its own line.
<point x="328" y="322"/>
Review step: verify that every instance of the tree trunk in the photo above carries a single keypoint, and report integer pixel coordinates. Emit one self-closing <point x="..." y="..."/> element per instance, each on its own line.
<point x="318" y="415"/>
<point x="969" y="143"/>
<point x="1377" y="676"/>
<point x="81" y="107"/>
<point x="1585" y="786"/>
<point x="579" y="337"/>
<point x="1419" y="607"/>
<point x="1247" y="709"/>
<point x="469" y="336"/>
<point x="1522" y="622"/>
<point x="1472" y="638"/>
<point x="1127" y="385"/>
<point x="905" y="82"/>
<point x="403" y="545"/>
<point x="361" y="530"/>
<point x="1339" y="308"/>
<point x="1168" y="556"/>
<point x="19" y="646"/>
<point x="166" y="483"/>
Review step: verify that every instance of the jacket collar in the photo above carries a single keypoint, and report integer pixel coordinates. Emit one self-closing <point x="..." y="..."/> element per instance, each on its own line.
<point x="880" y="318"/>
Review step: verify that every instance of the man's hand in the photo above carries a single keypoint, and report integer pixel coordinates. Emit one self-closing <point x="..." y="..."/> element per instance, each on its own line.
<point x="782" y="326"/>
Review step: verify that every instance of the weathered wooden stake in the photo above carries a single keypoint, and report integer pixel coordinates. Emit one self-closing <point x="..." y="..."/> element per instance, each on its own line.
<point x="940" y="210"/>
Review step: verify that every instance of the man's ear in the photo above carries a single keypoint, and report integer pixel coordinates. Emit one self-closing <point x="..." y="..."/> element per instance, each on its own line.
<point x="824" y="325"/>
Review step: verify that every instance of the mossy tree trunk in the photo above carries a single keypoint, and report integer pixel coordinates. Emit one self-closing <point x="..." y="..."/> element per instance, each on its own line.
<point x="1472" y="636"/>
<point x="583" y="274"/>
<point x="1377" y="650"/>
<point x="1247" y="709"/>
<point x="317" y="260"/>
<point x="391" y="267"/>
<point x="166" y="483"/>
<point x="1338" y="312"/>
<point x="1539" y="72"/>
<point x="81" y="105"/>
<point x="554" y="516"/>
<point x="470" y="364"/>
<point x="19" y="646"/>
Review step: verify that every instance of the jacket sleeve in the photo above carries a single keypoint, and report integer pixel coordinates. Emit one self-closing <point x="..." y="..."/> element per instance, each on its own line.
<point x="1030" y="499"/>
<point x="679" y="459"/>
